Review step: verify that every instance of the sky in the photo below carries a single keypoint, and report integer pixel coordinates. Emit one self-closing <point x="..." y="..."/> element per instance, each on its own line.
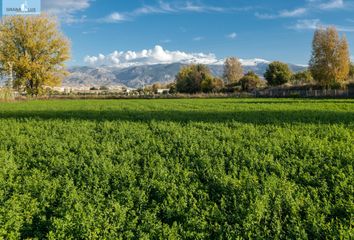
<point x="120" y="32"/>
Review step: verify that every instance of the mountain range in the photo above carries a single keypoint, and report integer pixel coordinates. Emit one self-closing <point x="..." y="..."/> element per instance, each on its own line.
<point x="142" y="75"/>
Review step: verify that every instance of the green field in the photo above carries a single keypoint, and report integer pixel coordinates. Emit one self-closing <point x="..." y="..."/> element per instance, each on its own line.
<point x="177" y="169"/>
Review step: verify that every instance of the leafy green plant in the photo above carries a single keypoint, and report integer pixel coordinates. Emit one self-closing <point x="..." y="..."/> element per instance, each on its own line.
<point x="177" y="169"/>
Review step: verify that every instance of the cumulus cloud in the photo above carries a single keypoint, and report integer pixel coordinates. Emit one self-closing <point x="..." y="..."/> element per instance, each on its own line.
<point x="156" y="55"/>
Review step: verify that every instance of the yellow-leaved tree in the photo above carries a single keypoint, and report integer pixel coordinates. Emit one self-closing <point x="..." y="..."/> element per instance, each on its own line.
<point x="33" y="52"/>
<point x="330" y="61"/>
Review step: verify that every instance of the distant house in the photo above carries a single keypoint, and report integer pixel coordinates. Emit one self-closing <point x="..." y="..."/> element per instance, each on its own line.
<point x="163" y="91"/>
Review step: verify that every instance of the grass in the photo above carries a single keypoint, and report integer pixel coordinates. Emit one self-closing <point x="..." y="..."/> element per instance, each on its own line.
<point x="177" y="169"/>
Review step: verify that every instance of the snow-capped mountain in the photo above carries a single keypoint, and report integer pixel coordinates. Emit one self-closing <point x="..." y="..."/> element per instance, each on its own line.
<point x="139" y="75"/>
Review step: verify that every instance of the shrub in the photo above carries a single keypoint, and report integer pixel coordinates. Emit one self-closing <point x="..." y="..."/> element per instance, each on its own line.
<point x="6" y="94"/>
<point x="104" y="88"/>
<point x="250" y="81"/>
<point x="302" y="77"/>
<point x="212" y="85"/>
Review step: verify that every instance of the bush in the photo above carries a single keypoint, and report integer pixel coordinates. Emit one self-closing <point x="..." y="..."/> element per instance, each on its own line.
<point x="302" y="77"/>
<point x="212" y="85"/>
<point x="172" y="87"/>
<point x="104" y="88"/>
<point x="278" y="73"/>
<point x="250" y="81"/>
<point x="6" y="94"/>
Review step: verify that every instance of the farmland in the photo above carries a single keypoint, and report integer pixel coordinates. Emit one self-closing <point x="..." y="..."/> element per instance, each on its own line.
<point x="177" y="169"/>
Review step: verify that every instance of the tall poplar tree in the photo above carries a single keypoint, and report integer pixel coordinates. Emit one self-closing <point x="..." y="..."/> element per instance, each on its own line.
<point x="330" y="60"/>
<point x="233" y="70"/>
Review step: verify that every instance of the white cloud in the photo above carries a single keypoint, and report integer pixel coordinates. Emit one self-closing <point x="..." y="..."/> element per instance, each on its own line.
<point x="193" y="7"/>
<point x="307" y="8"/>
<point x="157" y="55"/>
<point x="307" y="24"/>
<point x="283" y="14"/>
<point x="199" y="38"/>
<point x="265" y="15"/>
<point x="294" y="13"/>
<point x="115" y="17"/>
<point x="168" y="8"/>
<point x="312" y="24"/>
<point x="65" y="5"/>
<point x="232" y="35"/>
<point x="65" y="9"/>
<point x="333" y="4"/>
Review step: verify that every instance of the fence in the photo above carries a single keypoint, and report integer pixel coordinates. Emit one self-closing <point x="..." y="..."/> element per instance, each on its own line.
<point x="325" y="93"/>
<point x="269" y="93"/>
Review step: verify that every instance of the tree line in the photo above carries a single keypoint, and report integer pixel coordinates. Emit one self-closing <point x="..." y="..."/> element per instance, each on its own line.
<point x="329" y="67"/>
<point x="33" y="52"/>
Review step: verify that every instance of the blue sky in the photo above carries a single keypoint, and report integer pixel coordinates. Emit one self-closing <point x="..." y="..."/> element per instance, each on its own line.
<point x="116" y="31"/>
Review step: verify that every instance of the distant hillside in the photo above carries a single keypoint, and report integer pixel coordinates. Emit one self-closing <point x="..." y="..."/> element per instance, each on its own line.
<point x="139" y="76"/>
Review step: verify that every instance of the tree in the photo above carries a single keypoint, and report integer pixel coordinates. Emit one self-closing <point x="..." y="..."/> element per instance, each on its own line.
<point x="351" y="71"/>
<point x="233" y="70"/>
<point x="278" y="73"/>
<point x="156" y="87"/>
<point x="212" y="85"/>
<point x="302" y="77"/>
<point x="330" y="60"/>
<point x="172" y="87"/>
<point x="104" y="88"/>
<point x="250" y="81"/>
<point x="33" y="51"/>
<point x="190" y="78"/>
